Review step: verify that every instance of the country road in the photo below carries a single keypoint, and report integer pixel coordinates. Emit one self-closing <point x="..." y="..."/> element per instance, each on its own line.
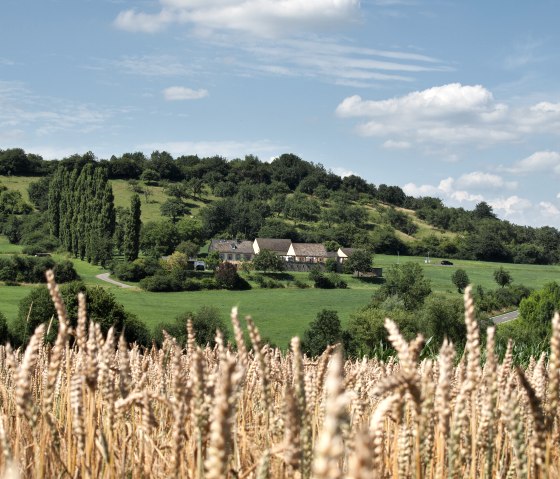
<point x="105" y="277"/>
<point x="503" y="318"/>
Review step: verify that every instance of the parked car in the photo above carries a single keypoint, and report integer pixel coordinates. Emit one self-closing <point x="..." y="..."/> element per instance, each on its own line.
<point x="446" y="263"/>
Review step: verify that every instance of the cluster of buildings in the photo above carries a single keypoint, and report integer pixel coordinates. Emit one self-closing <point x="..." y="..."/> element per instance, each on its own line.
<point x="236" y="251"/>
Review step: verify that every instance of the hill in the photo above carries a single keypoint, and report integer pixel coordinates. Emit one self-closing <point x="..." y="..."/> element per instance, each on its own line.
<point x="290" y="197"/>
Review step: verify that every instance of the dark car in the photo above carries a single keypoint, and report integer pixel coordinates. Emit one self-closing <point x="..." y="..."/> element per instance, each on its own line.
<point x="446" y="263"/>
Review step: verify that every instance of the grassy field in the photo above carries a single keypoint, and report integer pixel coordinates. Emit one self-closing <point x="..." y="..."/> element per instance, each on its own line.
<point x="279" y="313"/>
<point x="282" y="313"/>
<point x="479" y="272"/>
<point x="7" y="248"/>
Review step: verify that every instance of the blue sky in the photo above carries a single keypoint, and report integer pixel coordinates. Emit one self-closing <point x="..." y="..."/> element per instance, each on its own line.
<point x="459" y="100"/>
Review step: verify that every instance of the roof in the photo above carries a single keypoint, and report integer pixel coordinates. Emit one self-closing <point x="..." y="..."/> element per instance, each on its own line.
<point x="347" y="251"/>
<point x="309" y="249"/>
<point x="231" y="246"/>
<point x="274" y="244"/>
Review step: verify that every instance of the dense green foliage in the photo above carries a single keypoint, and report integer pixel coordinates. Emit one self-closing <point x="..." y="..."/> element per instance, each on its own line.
<point x="206" y="321"/>
<point x="267" y="260"/>
<point x="502" y="277"/>
<point x="82" y="213"/>
<point x="30" y="269"/>
<point x="288" y="197"/>
<point x="325" y="330"/>
<point x="359" y="261"/>
<point x="460" y="279"/>
<point x="532" y="329"/>
<point x="37" y="307"/>
<point x="131" y="233"/>
<point x="407" y="283"/>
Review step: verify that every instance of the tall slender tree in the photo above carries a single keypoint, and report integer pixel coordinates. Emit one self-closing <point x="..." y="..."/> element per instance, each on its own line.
<point x="82" y="212"/>
<point x="132" y="230"/>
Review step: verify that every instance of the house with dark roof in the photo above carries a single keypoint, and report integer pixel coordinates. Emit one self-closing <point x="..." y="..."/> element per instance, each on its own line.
<point x="307" y="253"/>
<point x="276" y="245"/>
<point x="232" y="250"/>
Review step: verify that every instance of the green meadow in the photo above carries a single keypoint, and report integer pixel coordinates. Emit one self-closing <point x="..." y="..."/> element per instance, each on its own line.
<point x="284" y="312"/>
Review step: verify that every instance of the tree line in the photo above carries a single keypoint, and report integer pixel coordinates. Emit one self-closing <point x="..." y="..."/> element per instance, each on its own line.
<point x="293" y="198"/>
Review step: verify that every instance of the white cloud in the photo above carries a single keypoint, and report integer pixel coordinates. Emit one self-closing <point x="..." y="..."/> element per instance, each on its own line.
<point x="174" y="93"/>
<point x="446" y="189"/>
<point x="396" y="145"/>
<point x="547" y="161"/>
<point x="549" y="210"/>
<point x="265" y="18"/>
<point x="449" y="114"/>
<point x="481" y="180"/>
<point x="342" y="172"/>
<point x="512" y="206"/>
<point x="227" y="149"/>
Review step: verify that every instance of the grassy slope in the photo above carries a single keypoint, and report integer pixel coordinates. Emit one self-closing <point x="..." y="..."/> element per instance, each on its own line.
<point x="151" y="208"/>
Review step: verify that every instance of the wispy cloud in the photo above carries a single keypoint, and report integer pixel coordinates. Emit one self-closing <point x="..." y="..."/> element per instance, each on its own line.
<point x="333" y="60"/>
<point x="23" y="110"/>
<point x="484" y="181"/>
<point x="146" y="65"/>
<point x="449" y="115"/>
<point x="525" y="52"/>
<point x="174" y="93"/>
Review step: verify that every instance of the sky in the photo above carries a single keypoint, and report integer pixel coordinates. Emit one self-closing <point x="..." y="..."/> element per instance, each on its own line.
<point x="454" y="99"/>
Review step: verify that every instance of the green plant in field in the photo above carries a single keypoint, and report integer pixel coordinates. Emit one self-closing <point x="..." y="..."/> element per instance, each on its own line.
<point x="502" y="277"/>
<point x="460" y="279"/>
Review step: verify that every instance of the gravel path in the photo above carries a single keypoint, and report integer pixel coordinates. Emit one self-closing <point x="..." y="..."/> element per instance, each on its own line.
<point x="105" y="277"/>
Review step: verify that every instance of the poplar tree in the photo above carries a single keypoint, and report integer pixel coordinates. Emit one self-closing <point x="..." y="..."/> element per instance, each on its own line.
<point x="55" y="194"/>
<point x="132" y="230"/>
<point x="82" y="212"/>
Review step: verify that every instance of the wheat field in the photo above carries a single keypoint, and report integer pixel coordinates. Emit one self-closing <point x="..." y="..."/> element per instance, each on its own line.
<point x="92" y="407"/>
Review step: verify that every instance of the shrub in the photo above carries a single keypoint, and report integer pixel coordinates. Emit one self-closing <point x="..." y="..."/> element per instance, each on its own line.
<point x="64" y="272"/>
<point x="268" y="283"/>
<point x="209" y="283"/>
<point x="502" y="277"/>
<point x="161" y="282"/>
<point x="460" y="279"/>
<point x="129" y="271"/>
<point x="37" y="307"/>
<point x="331" y="265"/>
<point x="226" y="276"/>
<point x="191" y="284"/>
<point x="323" y="331"/>
<point x="205" y="323"/>
<point x="300" y="284"/>
<point x="337" y="280"/>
